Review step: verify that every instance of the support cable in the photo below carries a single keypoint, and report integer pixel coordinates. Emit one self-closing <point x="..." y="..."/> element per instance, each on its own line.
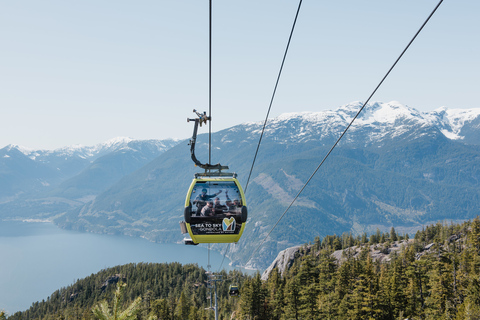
<point x="270" y="106"/>
<point x="208" y="254"/>
<point x="224" y="254"/>
<point x="345" y="131"/>
<point x="273" y="95"/>
<point x="210" y="85"/>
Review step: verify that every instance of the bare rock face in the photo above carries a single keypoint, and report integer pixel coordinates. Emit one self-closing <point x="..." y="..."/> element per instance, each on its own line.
<point x="113" y="279"/>
<point x="283" y="261"/>
<point x="378" y="252"/>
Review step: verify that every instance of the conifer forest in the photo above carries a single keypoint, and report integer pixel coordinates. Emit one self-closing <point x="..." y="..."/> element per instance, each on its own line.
<point x="434" y="275"/>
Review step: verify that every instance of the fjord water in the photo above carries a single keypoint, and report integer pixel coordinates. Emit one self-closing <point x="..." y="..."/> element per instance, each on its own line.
<point x="38" y="258"/>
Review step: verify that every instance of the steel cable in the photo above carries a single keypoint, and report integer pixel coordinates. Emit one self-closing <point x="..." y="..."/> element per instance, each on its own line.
<point x="346" y="129"/>
<point x="273" y="95"/>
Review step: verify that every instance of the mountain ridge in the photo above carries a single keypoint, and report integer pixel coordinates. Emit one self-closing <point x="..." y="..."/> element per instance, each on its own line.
<point x="393" y="168"/>
<point x="51" y="168"/>
<point x="378" y="177"/>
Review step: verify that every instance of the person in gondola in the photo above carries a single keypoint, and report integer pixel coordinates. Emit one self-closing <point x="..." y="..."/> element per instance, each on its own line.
<point x="201" y="199"/>
<point x="237" y="203"/>
<point x="233" y="207"/>
<point x="228" y="202"/>
<point x="218" y="207"/>
<point x="207" y="210"/>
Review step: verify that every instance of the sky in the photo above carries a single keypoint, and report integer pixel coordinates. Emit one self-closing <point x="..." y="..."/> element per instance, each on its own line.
<point x="84" y="72"/>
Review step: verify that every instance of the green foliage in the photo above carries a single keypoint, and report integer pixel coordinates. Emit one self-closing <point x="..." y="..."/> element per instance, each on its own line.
<point x="434" y="276"/>
<point x="160" y="291"/>
<point x="103" y="312"/>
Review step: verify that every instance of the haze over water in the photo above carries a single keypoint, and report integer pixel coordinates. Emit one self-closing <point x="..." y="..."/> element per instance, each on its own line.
<point x="37" y="259"/>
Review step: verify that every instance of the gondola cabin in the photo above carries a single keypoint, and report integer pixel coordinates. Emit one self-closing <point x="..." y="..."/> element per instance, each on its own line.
<point x="233" y="291"/>
<point x="215" y="210"/>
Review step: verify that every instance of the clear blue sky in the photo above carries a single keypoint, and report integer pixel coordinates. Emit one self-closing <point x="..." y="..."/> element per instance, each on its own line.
<point x="82" y="72"/>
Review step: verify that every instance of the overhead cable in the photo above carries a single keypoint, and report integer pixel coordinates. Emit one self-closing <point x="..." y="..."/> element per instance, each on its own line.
<point x="273" y="95"/>
<point x="346" y="129"/>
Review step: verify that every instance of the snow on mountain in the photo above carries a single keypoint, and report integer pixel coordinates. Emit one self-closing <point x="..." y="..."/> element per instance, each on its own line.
<point x="92" y="152"/>
<point x="26" y="151"/>
<point x="452" y="121"/>
<point x="377" y="121"/>
<point x="26" y="170"/>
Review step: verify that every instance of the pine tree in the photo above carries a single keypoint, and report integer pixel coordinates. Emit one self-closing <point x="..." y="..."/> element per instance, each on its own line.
<point x="440" y="284"/>
<point x="397" y="289"/>
<point x="370" y="308"/>
<point x="183" y="308"/>
<point x="275" y="295"/>
<point x="102" y="311"/>
<point x="393" y="235"/>
<point x="308" y="276"/>
<point x="327" y="300"/>
<point x="252" y="299"/>
<point x="384" y="308"/>
<point x="416" y="277"/>
<point x="292" y="298"/>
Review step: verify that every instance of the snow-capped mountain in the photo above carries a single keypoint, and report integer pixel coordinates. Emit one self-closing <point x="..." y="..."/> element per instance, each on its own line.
<point x="396" y="166"/>
<point x="25" y="170"/>
<point x="458" y="124"/>
<point x="377" y="123"/>
<point x="93" y="152"/>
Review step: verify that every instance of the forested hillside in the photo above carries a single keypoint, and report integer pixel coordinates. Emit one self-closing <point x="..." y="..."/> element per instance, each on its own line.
<point x="168" y="291"/>
<point x="433" y="276"/>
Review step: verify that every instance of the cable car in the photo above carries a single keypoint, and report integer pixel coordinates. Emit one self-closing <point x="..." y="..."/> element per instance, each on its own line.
<point x="233" y="291"/>
<point x="215" y="207"/>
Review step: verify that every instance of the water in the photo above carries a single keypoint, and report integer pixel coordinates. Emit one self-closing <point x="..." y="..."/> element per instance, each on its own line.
<point x="38" y="258"/>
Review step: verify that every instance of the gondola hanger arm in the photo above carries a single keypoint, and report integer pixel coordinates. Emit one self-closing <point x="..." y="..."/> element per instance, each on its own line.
<point x="202" y="119"/>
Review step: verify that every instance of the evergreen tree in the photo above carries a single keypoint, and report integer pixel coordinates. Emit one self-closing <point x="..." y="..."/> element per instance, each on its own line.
<point x="252" y="299"/>
<point x="368" y="285"/>
<point x="393" y="235"/>
<point x="440" y="284"/>
<point x="292" y="298"/>
<point x="183" y="308"/>
<point x="327" y="300"/>
<point x="102" y="311"/>
<point x="275" y="295"/>
<point x="383" y="294"/>
<point x="397" y="296"/>
<point x="416" y="277"/>
<point x="308" y="292"/>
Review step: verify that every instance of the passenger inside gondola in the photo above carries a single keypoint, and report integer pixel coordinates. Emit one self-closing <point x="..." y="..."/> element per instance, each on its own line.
<point x="218" y="207"/>
<point x="201" y="200"/>
<point x="207" y="210"/>
<point x="218" y="194"/>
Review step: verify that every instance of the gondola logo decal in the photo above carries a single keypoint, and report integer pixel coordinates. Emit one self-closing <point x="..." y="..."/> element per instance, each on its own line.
<point x="228" y="224"/>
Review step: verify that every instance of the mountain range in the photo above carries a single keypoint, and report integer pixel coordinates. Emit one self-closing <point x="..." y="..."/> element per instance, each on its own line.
<point x="41" y="183"/>
<point x="395" y="166"/>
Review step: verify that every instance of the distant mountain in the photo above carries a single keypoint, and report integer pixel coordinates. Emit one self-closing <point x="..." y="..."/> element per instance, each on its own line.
<point x="115" y="163"/>
<point x="458" y="124"/>
<point x="396" y="166"/>
<point x="46" y="182"/>
<point x="19" y="174"/>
